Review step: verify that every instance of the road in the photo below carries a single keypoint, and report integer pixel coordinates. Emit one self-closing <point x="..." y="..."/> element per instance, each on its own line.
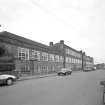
<point x="81" y="88"/>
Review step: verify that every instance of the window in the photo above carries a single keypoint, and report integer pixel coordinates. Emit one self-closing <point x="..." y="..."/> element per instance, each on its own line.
<point x="80" y="61"/>
<point x="76" y="60"/>
<point x="51" y="57"/>
<point x="25" y="67"/>
<point x="67" y="60"/>
<point x="44" y="56"/>
<point x="67" y="51"/>
<point x="56" y="58"/>
<point x="73" y="53"/>
<point x="23" y="53"/>
<point x="35" y="55"/>
<point x="72" y="60"/>
<point x="61" y="59"/>
<point x="43" y="68"/>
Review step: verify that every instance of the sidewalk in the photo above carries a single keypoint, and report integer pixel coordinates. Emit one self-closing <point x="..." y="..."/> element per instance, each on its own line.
<point x="39" y="76"/>
<point x="36" y="76"/>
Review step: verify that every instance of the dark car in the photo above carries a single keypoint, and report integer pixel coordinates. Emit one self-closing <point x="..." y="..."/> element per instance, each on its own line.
<point x="65" y="71"/>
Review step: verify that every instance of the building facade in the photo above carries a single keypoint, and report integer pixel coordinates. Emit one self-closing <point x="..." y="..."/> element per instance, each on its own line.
<point x="100" y="66"/>
<point x="72" y="57"/>
<point x="34" y="58"/>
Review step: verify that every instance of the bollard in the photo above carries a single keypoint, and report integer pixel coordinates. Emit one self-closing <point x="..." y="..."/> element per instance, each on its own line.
<point x="103" y="84"/>
<point x="104" y="96"/>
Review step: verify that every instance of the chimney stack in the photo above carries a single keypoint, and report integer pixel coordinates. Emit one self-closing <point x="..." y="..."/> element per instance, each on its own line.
<point x="51" y="43"/>
<point x="61" y="41"/>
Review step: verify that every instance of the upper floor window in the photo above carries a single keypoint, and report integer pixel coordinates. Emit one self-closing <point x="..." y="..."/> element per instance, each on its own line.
<point x="73" y="60"/>
<point x="67" y="51"/>
<point x="57" y="58"/>
<point x="80" y="61"/>
<point x="67" y="59"/>
<point x="73" y="53"/>
<point x="35" y="55"/>
<point x="51" y="57"/>
<point x="23" y="53"/>
<point x="61" y="58"/>
<point x="44" y="56"/>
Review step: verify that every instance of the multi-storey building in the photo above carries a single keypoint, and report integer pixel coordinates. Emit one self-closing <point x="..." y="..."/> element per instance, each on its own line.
<point x="31" y="57"/>
<point x="72" y="57"/>
<point x="88" y="63"/>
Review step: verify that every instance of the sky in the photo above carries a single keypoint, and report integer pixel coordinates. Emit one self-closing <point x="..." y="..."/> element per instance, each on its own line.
<point x="80" y="23"/>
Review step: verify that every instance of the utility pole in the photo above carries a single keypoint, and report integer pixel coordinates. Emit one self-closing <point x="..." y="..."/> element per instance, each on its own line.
<point x="83" y="59"/>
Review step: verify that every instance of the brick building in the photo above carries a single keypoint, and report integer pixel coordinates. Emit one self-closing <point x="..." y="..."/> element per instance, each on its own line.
<point x="100" y="66"/>
<point x="34" y="58"/>
<point x="72" y="57"/>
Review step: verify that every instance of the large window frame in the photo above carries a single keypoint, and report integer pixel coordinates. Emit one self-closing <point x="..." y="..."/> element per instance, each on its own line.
<point x="51" y="57"/>
<point x="23" y="53"/>
<point x="57" y="58"/>
<point x="35" y="55"/>
<point x="44" y="56"/>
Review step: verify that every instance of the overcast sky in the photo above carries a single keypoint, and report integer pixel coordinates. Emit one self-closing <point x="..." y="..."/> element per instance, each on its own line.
<point x="80" y="23"/>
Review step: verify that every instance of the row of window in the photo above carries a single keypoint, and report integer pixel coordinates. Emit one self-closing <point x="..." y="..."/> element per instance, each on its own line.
<point x="73" y="53"/>
<point x="73" y="60"/>
<point x="26" y="68"/>
<point x="40" y="69"/>
<point x="89" y="63"/>
<point x="88" y="58"/>
<point x="26" y="54"/>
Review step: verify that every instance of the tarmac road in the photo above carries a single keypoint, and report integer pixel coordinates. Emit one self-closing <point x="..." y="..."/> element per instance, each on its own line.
<point x="80" y="88"/>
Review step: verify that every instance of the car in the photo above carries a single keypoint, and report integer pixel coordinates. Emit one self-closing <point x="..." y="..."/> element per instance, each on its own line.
<point x="7" y="79"/>
<point x="65" y="71"/>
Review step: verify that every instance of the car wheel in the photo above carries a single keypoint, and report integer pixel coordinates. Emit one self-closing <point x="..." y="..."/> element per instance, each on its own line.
<point x="9" y="81"/>
<point x="60" y="74"/>
<point x="70" y="73"/>
<point x="66" y="73"/>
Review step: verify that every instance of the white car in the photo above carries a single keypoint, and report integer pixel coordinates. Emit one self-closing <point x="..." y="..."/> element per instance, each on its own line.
<point x="7" y="79"/>
<point x="65" y="71"/>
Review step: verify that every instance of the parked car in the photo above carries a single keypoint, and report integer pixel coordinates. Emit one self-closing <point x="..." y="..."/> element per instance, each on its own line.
<point x="65" y="71"/>
<point x="7" y="79"/>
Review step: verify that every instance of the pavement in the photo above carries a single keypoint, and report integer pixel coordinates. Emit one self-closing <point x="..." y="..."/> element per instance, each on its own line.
<point x="39" y="76"/>
<point x="81" y="88"/>
<point x="36" y="76"/>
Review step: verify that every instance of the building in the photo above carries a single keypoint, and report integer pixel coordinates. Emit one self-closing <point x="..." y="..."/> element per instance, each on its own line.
<point x="88" y="63"/>
<point x="30" y="57"/>
<point x="34" y="58"/>
<point x="100" y="66"/>
<point x="72" y="57"/>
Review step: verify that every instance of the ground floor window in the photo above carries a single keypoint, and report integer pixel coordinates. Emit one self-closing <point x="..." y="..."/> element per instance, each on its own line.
<point x="42" y="68"/>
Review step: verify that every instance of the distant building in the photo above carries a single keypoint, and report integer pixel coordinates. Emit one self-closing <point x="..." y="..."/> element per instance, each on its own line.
<point x="100" y="66"/>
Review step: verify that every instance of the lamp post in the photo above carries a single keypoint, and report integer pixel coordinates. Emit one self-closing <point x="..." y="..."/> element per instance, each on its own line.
<point x="1" y="29"/>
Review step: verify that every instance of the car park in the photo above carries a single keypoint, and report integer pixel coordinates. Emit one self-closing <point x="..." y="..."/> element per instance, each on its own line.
<point x="7" y="79"/>
<point x="65" y="71"/>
